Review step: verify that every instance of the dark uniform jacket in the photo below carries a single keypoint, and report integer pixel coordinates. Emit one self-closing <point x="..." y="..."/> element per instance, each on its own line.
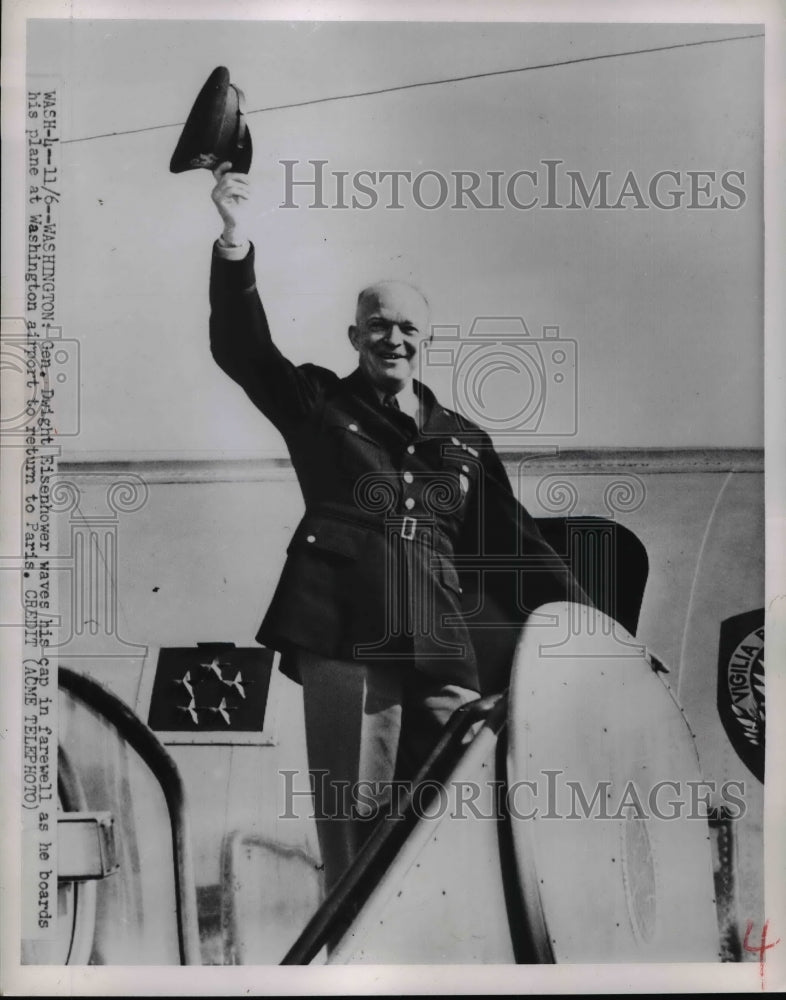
<point x="413" y="549"/>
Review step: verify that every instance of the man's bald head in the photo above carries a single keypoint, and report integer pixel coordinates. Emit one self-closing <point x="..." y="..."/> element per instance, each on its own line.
<point x="407" y="295"/>
<point x="391" y="323"/>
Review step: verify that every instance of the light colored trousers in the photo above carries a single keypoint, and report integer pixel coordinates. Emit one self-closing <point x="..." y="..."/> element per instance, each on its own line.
<point x="366" y="725"/>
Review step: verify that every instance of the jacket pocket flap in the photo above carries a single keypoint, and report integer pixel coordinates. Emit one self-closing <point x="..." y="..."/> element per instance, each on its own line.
<point x="344" y="424"/>
<point x="328" y="535"/>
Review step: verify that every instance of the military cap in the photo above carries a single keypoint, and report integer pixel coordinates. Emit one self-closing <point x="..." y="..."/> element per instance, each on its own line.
<point x="215" y="130"/>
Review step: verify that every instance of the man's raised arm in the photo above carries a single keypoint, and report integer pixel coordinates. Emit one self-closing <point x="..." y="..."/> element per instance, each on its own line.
<point x="240" y="338"/>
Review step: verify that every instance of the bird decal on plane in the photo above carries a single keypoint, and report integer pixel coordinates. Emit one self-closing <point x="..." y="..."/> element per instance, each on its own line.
<point x="185" y="680"/>
<point x="223" y="710"/>
<point x="214" y="667"/>
<point x="237" y="684"/>
<point x="191" y="709"/>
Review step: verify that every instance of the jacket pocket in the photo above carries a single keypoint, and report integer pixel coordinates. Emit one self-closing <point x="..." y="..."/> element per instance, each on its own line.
<point x="352" y="450"/>
<point x="340" y="538"/>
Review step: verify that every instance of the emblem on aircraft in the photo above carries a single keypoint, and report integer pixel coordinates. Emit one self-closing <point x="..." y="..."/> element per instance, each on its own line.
<point x="211" y="687"/>
<point x="741" y="687"/>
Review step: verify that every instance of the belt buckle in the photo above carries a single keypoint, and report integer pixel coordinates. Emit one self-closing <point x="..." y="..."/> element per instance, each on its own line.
<point x="408" y="528"/>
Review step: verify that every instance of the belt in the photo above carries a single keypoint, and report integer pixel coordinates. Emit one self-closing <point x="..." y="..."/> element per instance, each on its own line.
<point x="404" y="526"/>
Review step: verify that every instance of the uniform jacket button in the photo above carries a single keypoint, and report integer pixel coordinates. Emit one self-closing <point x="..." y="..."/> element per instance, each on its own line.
<point x="408" y="477"/>
<point x="353" y="427"/>
<point x="409" y="503"/>
<point x="410" y="449"/>
<point x="311" y="538"/>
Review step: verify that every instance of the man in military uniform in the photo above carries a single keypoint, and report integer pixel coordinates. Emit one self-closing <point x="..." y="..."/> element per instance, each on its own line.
<point x="406" y="502"/>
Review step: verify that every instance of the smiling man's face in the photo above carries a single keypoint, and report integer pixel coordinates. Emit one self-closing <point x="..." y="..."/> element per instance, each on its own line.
<point x="391" y="324"/>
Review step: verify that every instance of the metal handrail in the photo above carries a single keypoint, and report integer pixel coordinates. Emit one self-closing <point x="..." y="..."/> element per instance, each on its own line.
<point x="142" y="739"/>
<point x="356" y="884"/>
<point x="72" y="799"/>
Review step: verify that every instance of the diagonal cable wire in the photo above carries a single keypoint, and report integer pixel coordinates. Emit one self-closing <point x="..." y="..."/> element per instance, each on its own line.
<point x="436" y="83"/>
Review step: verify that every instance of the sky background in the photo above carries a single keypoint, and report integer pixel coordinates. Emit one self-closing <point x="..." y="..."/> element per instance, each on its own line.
<point x="665" y="307"/>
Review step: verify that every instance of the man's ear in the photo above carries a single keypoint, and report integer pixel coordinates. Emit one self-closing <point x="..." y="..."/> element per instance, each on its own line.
<point x="352" y="333"/>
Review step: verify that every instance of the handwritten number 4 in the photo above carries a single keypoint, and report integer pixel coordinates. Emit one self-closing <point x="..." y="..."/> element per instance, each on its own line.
<point x="761" y="948"/>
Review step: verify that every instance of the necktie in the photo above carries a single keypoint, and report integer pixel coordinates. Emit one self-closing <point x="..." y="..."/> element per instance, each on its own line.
<point x="391" y="401"/>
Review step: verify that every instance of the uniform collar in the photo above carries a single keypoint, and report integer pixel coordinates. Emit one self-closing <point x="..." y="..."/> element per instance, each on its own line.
<point x="436" y="419"/>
